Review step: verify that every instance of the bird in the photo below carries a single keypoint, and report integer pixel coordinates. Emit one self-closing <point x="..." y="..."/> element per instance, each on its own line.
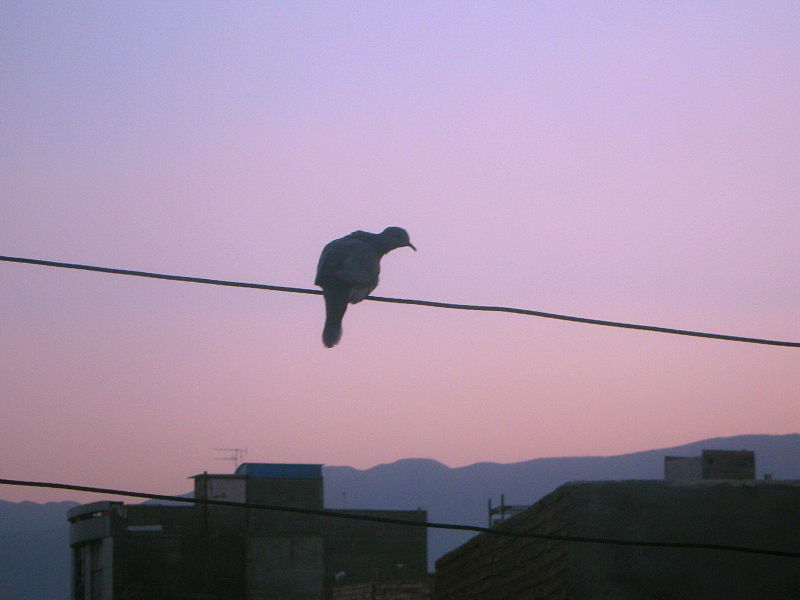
<point x="348" y="271"/>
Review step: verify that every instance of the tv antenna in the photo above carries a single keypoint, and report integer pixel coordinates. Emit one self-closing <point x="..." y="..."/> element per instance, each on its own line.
<point x="235" y="455"/>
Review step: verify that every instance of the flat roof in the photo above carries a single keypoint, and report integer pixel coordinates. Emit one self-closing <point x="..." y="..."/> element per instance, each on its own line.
<point x="270" y="471"/>
<point x="280" y="470"/>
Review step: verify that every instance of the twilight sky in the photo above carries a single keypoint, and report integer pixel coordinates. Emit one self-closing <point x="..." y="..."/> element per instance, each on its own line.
<point x="632" y="161"/>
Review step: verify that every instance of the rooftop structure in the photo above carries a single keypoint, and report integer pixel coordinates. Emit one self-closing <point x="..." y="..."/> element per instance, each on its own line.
<point x="711" y="464"/>
<point x="498" y="514"/>
<point x="205" y="552"/>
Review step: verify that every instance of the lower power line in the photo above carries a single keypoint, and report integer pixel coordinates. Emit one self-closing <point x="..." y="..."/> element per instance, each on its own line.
<point x="404" y="522"/>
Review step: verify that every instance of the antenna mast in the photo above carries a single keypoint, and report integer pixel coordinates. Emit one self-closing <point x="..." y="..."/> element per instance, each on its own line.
<point x="235" y="455"/>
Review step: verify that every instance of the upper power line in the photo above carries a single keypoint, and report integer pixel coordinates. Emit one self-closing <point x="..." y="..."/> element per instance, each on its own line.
<point x="474" y="307"/>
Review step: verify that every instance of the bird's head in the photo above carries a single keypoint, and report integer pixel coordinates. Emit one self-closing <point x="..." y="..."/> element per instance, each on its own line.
<point x="396" y="237"/>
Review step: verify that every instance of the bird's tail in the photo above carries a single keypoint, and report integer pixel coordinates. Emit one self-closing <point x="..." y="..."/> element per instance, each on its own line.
<point x="335" y="307"/>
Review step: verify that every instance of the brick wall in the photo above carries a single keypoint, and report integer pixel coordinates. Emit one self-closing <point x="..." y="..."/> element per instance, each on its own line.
<point x="758" y="514"/>
<point x="492" y="567"/>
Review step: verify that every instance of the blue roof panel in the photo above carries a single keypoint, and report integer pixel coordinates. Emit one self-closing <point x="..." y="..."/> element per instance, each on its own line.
<point x="280" y="470"/>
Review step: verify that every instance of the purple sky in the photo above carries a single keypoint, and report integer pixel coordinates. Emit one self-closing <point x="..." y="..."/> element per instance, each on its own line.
<point x="625" y="161"/>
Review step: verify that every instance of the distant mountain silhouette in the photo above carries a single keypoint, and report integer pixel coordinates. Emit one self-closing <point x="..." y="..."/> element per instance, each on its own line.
<point x="460" y="495"/>
<point x="34" y="552"/>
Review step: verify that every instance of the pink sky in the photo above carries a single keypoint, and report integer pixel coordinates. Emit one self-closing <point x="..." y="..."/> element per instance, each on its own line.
<point x="625" y="161"/>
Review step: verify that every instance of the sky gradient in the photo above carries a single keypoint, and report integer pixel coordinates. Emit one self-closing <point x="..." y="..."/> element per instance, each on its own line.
<point x="629" y="161"/>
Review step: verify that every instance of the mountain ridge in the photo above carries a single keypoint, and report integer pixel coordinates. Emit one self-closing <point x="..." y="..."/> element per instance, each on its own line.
<point x="726" y="440"/>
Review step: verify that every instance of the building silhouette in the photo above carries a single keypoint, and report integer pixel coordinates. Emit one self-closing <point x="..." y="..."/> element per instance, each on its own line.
<point x="706" y="510"/>
<point x="711" y="464"/>
<point x="207" y="552"/>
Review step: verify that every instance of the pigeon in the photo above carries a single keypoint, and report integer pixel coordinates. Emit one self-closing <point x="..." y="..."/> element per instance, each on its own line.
<point x="348" y="271"/>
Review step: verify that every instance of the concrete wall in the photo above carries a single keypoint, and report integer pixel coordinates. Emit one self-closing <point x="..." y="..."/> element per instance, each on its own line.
<point x="285" y="551"/>
<point x="744" y="513"/>
<point x="301" y="493"/>
<point x="277" y="555"/>
<point x="363" y="551"/>
<point x="729" y="464"/>
<point x="195" y="551"/>
<point x="384" y="590"/>
<point x="683" y="468"/>
<point x="285" y="568"/>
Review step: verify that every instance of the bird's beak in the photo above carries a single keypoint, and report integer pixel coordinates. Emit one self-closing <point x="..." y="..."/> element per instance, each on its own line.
<point x="410" y="245"/>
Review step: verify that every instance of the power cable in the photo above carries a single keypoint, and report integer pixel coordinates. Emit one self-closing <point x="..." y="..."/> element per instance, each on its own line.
<point x="296" y="290"/>
<point x="405" y="522"/>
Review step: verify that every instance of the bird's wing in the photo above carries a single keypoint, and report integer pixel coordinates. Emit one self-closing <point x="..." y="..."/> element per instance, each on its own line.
<point x="360" y="270"/>
<point x="330" y="262"/>
<point x="351" y="262"/>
